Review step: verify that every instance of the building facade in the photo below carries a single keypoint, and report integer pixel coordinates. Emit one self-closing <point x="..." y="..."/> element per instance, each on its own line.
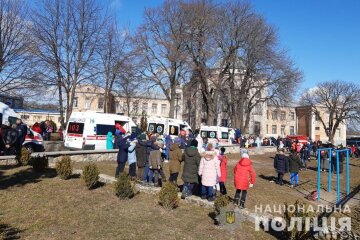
<point x="90" y="98"/>
<point x="309" y="124"/>
<point x="32" y="116"/>
<point x="280" y="121"/>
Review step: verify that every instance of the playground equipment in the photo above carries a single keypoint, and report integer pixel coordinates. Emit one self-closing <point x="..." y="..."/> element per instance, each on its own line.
<point x="329" y="152"/>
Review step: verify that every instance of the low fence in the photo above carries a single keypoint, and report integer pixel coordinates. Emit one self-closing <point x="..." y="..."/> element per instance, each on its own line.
<point x="110" y="155"/>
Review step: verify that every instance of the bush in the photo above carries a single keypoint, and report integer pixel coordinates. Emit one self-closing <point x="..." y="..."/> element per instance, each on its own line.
<point x="299" y="212"/>
<point x="124" y="188"/>
<point x="39" y="163"/>
<point x="168" y="196"/>
<point x="220" y="202"/>
<point x="24" y="157"/>
<point x="64" y="167"/>
<point x="90" y="175"/>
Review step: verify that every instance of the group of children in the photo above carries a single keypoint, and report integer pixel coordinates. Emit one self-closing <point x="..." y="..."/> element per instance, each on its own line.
<point x="205" y="167"/>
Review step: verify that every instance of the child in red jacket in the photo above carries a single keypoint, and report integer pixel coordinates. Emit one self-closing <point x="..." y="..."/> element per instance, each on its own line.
<point x="223" y="164"/>
<point x="244" y="177"/>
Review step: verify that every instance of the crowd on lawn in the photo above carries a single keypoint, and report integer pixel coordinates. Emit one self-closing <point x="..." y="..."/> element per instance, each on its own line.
<point x="204" y="164"/>
<point x="292" y="158"/>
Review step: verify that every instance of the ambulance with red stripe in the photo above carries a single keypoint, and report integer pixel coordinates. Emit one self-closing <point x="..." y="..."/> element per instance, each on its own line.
<point x="88" y="130"/>
<point x="219" y="135"/>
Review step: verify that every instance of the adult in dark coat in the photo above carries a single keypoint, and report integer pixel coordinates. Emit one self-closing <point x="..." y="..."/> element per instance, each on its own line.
<point x="281" y="165"/>
<point x="21" y="128"/>
<point x="150" y="145"/>
<point x="141" y="159"/>
<point x="10" y="139"/>
<point x="123" y="146"/>
<point x="191" y="158"/>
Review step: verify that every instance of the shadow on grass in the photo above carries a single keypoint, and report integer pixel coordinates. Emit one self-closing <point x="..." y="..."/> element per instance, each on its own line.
<point x="7" y="232"/>
<point x="24" y="177"/>
<point x="273" y="178"/>
<point x="75" y="176"/>
<point x="97" y="185"/>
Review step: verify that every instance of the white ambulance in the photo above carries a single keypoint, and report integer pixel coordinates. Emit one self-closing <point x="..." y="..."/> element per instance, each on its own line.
<point x="219" y="135"/>
<point x="88" y="130"/>
<point x="168" y="126"/>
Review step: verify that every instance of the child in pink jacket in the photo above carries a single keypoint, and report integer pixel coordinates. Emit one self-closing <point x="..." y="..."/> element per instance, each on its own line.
<point x="209" y="171"/>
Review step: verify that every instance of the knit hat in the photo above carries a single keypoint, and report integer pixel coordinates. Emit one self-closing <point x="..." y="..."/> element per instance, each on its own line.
<point x="194" y="143"/>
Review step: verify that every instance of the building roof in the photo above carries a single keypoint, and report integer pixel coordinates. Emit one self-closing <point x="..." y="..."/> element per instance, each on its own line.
<point x="37" y="111"/>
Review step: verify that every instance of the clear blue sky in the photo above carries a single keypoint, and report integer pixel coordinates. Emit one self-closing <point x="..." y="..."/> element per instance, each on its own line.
<point x="322" y="36"/>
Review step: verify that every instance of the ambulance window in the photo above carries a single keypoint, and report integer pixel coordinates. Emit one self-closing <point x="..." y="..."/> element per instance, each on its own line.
<point x="102" y="129"/>
<point x="152" y="127"/>
<point x="212" y="134"/>
<point x="203" y="134"/>
<point x="75" y="128"/>
<point x="183" y="126"/>
<point x="1" y="122"/>
<point x="173" y="130"/>
<point x="160" y="128"/>
<point x="224" y="135"/>
<point x="134" y="129"/>
<point x="12" y="120"/>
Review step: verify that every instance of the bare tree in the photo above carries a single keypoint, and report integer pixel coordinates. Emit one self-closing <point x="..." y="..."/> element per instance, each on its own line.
<point x="67" y="35"/>
<point x="16" y="65"/>
<point x="160" y="45"/>
<point x="340" y="101"/>
<point x="115" y="52"/>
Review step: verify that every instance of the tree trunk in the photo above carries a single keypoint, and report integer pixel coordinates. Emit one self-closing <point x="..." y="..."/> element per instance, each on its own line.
<point x="61" y="105"/>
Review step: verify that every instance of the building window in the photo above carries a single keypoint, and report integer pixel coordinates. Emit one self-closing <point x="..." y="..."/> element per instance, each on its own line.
<point x="76" y="100"/>
<point x="317" y="116"/>
<point x="317" y="128"/>
<point x="163" y="108"/>
<point x="267" y="128"/>
<point x="282" y="116"/>
<point x="224" y="122"/>
<point x="292" y="116"/>
<point x="274" y="130"/>
<point x="292" y="130"/>
<point x="135" y="106"/>
<point x="87" y="103"/>
<point x="282" y="130"/>
<point x="25" y="117"/>
<point x="101" y="103"/>
<point x="125" y="107"/>
<point x="154" y="108"/>
<point x="257" y="110"/>
<point x="117" y="106"/>
<point x="144" y="108"/>
<point x="274" y="115"/>
<point x="338" y="132"/>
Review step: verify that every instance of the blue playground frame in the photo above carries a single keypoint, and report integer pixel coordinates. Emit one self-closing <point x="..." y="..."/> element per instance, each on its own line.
<point x="329" y="152"/>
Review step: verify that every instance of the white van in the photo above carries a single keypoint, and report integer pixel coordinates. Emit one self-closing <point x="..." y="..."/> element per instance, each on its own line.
<point x="7" y="115"/>
<point x="168" y="126"/>
<point x="33" y="140"/>
<point x="88" y="130"/>
<point x="219" y="135"/>
<point x="163" y="126"/>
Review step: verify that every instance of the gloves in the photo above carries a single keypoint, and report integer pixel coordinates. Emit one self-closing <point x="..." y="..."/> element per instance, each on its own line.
<point x="251" y="185"/>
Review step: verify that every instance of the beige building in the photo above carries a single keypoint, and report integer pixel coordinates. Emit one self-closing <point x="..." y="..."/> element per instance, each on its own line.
<point x="91" y="98"/>
<point x="32" y="116"/>
<point x="309" y="124"/>
<point x="280" y="121"/>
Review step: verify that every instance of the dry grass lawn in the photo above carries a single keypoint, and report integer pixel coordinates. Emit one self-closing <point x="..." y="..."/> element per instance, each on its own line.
<point x="37" y="206"/>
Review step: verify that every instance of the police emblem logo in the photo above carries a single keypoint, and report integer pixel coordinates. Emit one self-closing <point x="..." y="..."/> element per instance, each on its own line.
<point x="172" y="130"/>
<point x="230" y="217"/>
